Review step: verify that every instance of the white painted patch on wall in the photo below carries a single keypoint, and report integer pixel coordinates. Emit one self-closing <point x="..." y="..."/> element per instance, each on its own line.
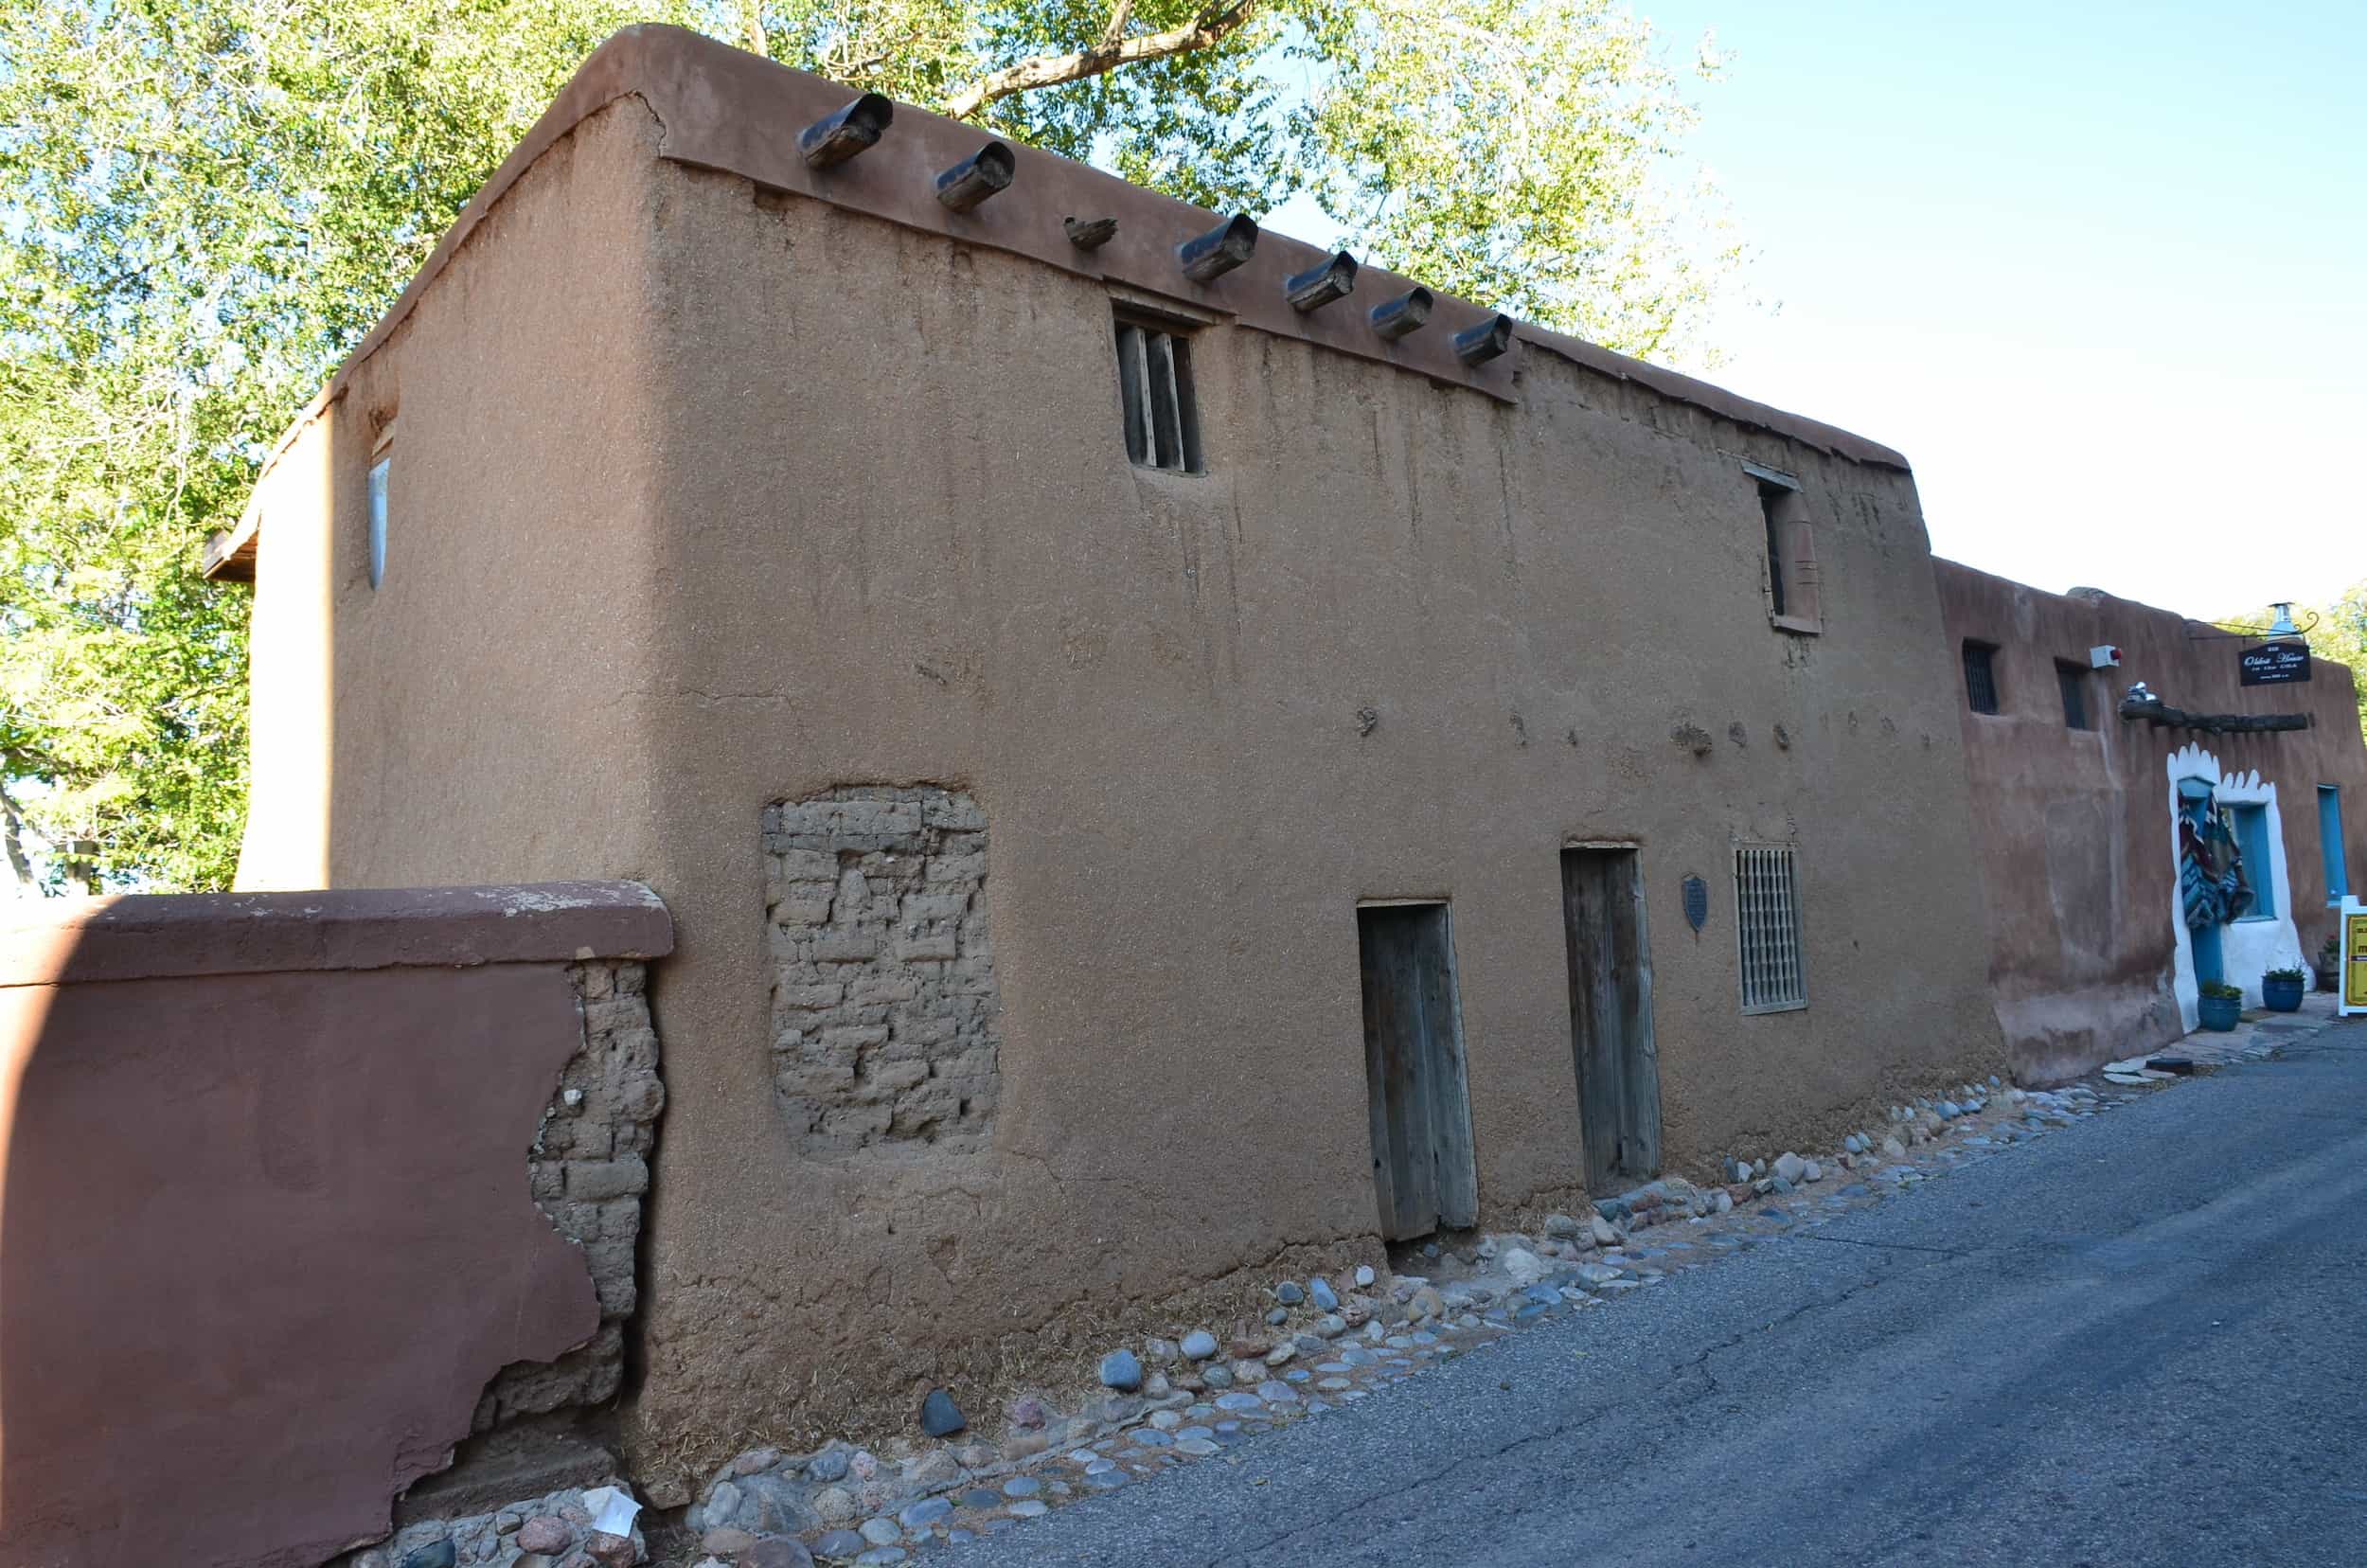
<point x="2248" y="949"/>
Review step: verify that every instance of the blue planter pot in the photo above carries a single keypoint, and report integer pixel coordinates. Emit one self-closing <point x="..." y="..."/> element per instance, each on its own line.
<point x="2281" y="995"/>
<point x="2219" y="1012"/>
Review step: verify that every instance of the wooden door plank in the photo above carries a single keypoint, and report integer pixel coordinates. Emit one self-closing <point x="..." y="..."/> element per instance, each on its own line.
<point x="1417" y="1170"/>
<point x="1424" y="1172"/>
<point x="1456" y="1179"/>
<point x="1376" y="1077"/>
<point x="1609" y="1055"/>
<point x="1592" y="1046"/>
<point x="1405" y="1173"/>
<point x="1640" y="1110"/>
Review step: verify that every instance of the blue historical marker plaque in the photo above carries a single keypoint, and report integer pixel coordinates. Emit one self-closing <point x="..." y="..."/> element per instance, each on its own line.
<point x="1697" y="894"/>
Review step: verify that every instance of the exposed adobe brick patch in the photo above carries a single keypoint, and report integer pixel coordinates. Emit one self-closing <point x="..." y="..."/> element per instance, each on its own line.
<point x="884" y="995"/>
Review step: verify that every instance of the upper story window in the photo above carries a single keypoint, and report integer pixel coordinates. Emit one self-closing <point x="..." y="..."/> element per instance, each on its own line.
<point x="1981" y="676"/>
<point x="1155" y="396"/>
<point x="1793" y="589"/>
<point x="381" y="469"/>
<point x="2074" y="682"/>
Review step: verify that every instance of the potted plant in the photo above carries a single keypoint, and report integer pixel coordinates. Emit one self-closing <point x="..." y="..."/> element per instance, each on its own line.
<point x="2329" y="971"/>
<point x="2219" y="1006"/>
<point x="2281" y="989"/>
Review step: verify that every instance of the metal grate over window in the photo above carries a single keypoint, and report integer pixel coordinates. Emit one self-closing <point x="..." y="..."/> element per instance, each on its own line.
<point x="1155" y="398"/>
<point x="1981" y="676"/>
<point x="1767" y="904"/>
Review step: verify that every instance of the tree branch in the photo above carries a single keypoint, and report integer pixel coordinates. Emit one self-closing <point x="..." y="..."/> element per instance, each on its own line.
<point x="1120" y="14"/>
<point x="13" y="831"/>
<point x="752" y="23"/>
<point x="1209" y="27"/>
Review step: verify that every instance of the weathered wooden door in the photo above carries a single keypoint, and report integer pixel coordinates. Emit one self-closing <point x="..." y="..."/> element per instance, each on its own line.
<point x="1421" y="1108"/>
<point x="1611" y="1015"/>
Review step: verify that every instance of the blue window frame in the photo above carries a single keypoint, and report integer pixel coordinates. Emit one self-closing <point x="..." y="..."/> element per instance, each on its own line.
<point x="2251" y="842"/>
<point x="2330" y="842"/>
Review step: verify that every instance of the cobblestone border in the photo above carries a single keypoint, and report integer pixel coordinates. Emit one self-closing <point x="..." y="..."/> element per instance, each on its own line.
<point x="551" y="1531"/>
<point x="1323" y="1343"/>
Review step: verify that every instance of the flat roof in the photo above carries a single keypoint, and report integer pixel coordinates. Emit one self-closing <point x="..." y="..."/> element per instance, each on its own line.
<point x="723" y="108"/>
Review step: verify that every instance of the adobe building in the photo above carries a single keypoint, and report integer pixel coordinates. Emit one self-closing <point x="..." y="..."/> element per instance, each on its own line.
<point x="1153" y="770"/>
<point x="2086" y="806"/>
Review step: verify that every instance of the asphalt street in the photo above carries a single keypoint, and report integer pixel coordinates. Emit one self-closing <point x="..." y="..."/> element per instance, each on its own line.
<point x="2143" y="1340"/>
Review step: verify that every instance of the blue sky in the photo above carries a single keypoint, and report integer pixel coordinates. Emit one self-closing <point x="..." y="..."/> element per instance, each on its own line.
<point x="2095" y="268"/>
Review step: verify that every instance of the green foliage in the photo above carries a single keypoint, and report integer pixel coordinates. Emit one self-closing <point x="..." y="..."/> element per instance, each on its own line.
<point x="2342" y="635"/>
<point x="2221" y="990"/>
<point x="1507" y="149"/>
<point x="204" y="204"/>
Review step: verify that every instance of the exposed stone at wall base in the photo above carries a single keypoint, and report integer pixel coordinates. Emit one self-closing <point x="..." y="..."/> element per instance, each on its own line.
<point x="589" y="1170"/>
<point x="557" y="1525"/>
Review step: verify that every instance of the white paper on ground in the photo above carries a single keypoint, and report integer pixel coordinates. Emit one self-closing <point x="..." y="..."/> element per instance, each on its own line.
<point x="613" y="1509"/>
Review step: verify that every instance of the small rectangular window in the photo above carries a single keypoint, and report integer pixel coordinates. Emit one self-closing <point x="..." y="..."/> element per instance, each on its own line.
<point x="1155" y="397"/>
<point x="1766" y="928"/>
<point x="1981" y="676"/>
<point x="1772" y="501"/>
<point x="2074" y="681"/>
<point x="2330" y="842"/>
<point x="379" y="468"/>
<point x="1794" y="596"/>
<point x="2251" y="843"/>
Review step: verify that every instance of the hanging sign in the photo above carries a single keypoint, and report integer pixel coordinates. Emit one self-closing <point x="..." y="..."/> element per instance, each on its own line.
<point x="2273" y="663"/>
<point x="2354" y="952"/>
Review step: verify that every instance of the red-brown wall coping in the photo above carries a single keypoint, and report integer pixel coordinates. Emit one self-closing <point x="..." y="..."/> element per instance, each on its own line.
<point x="156" y="936"/>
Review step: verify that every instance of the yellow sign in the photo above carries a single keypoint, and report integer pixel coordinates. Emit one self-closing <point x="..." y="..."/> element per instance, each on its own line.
<point x="2354" y="959"/>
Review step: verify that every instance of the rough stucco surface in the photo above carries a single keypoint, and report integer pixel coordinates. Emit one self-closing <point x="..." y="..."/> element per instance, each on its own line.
<point x="2075" y="825"/>
<point x="853" y="509"/>
<point x="543" y="371"/>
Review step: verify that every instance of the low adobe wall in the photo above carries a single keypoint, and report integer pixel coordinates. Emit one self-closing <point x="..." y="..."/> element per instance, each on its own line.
<point x="299" y="1190"/>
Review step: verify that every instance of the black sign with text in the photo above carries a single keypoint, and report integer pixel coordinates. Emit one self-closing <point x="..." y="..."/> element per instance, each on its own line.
<point x="2274" y="664"/>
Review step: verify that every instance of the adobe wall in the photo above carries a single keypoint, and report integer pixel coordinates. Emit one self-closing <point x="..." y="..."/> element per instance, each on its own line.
<point x="2075" y="827"/>
<point x="1404" y="639"/>
<point x="475" y="557"/>
<point x="300" y="1190"/>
